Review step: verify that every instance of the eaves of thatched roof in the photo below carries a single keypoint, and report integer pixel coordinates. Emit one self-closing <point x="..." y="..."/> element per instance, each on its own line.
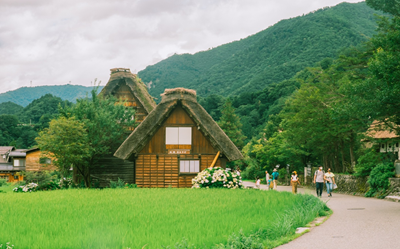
<point x="170" y="99"/>
<point x="121" y="76"/>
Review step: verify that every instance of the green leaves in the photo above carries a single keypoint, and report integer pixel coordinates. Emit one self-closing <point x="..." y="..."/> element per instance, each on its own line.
<point x="230" y="124"/>
<point x="65" y="140"/>
<point x="86" y="131"/>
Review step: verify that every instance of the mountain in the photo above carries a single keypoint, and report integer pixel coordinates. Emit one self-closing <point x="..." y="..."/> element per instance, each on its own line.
<point x="270" y="56"/>
<point x="25" y="95"/>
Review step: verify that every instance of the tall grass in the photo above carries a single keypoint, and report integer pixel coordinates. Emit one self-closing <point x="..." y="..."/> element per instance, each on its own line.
<point x="155" y="218"/>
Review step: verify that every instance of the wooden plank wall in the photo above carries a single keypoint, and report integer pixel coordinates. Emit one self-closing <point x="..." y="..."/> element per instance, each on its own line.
<point x="179" y="117"/>
<point x="163" y="171"/>
<point x="124" y="93"/>
<point x="110" y="168"/>
<point x="32" y="162"/>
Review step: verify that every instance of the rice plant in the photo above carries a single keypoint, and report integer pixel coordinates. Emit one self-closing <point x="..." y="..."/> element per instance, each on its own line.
<point x="151" y="218"/>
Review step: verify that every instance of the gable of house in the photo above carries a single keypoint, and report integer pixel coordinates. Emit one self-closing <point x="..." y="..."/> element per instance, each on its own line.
<point x="127" y="87"/>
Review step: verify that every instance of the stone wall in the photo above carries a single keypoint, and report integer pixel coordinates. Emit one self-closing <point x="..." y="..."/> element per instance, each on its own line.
<point x="394" y="188"/>
<point x="348" y="184"/>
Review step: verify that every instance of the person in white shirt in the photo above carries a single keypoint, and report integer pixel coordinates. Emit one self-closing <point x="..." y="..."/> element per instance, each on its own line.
<point x="319" y="180"/>
<point x="267" y="178"/>
<point x="329" y="178"/>
<point x="258" y="182"/>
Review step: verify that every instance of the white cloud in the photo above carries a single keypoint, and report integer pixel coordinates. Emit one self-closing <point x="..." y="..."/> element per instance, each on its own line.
<point x="55" y="42"/>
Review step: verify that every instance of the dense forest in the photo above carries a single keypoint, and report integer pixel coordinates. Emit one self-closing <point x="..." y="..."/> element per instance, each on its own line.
<point x="19" y="126"/>
<point x="270" y="56"/>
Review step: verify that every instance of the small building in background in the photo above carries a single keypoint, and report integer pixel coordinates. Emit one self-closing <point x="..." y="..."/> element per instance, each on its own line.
<point x="386" y="139"/>
<point x="383" y="136"/>
<point x="12" y="163"/>
<point x="177" y="140"/>
<point x="36" y="161"/>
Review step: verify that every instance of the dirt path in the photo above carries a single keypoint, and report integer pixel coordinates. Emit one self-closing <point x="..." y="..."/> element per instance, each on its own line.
<point x="356" y="222"/>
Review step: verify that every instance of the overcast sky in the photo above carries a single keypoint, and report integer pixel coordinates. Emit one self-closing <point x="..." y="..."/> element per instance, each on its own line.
<point x="44" y="42"/>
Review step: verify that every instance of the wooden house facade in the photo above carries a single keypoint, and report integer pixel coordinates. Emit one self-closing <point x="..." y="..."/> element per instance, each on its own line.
<point x="383" y="136"/>
<point x="126" y="87"/>
<point x="12" y="162"/>
<point x="177" y="140"/>
<point x="36" y="161"/>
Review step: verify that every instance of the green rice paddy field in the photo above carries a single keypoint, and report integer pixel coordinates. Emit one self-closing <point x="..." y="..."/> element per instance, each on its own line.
<point x="150" y="218"/>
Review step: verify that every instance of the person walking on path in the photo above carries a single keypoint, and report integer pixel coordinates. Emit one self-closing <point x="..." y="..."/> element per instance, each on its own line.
<point x="319" y="180"/>
<point x="267" y="178"/>
<point x="237" y="171"/>
<point x="275" y="176"/>
<point x="258" y="182"/>
<point x="329" y="178"/>
<point x="294" y="182"/>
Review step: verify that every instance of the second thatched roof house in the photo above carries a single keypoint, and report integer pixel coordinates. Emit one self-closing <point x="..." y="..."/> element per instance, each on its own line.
<point x="177" y="140"/>
<point x="126" y="87"/>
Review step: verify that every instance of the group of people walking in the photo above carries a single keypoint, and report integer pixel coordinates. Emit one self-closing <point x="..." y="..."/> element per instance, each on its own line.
<point x="320" y="177"/>
<point x="271" y="180"/>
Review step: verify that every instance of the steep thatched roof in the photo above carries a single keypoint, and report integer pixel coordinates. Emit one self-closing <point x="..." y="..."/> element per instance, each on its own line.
<point x="187" y="99"/>
<point x="379" y="130"/>
<point x="121" y="76"/>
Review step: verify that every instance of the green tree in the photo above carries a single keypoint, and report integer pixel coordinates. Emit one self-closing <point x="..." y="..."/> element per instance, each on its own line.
<point x="105" y="122"/>
<point x="376" y="96"/>
<point x="67" y="141"/>
<point x="10" y="108"/>
<point x="231" y="125"/>
<point x="388" y="6"/>
<point x="8" y="125"/>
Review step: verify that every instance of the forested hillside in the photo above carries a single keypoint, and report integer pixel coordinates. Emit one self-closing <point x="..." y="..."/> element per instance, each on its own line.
<point x="270" y="56"/>
<point x="25" y="95"/>
<point x="19" y="126"/>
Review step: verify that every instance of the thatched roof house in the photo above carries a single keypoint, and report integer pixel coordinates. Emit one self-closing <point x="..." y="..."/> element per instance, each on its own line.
<point x="176" y="141"/>
<point x="387" y="138"/>
<point x="128" y="87"/>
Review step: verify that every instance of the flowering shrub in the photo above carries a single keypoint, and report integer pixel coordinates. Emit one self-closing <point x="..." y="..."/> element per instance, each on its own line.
<point x="7" y="246"/>
<point x="217" y="177"/>
<point x="66" y="182"/>
<point x="31" y="187"/>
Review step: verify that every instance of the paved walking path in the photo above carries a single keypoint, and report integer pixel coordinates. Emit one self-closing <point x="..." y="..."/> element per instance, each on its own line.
<point x="356" y="222"/>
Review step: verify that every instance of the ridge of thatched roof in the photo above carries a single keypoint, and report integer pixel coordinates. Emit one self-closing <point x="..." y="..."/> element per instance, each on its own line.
<point x="187" y="99"/>
<point x="138" y="88"/>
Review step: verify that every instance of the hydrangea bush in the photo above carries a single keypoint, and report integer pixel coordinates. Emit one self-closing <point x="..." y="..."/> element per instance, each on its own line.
<point x="31" y="187"/>
<point x="217" y="177"/>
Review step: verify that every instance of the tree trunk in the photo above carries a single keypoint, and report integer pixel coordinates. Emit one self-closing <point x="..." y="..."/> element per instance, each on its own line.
<point x="352" y="157"/>
<point x="343" y="160"/>
<point x="336" y="157"/>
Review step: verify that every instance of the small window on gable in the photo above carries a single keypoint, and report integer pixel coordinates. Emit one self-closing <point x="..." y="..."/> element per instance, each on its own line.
<point x="189" y="166"/>
<point x="178" y="135"/>
<point x="383" y="146"/>
<point x="45" y="160"/>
